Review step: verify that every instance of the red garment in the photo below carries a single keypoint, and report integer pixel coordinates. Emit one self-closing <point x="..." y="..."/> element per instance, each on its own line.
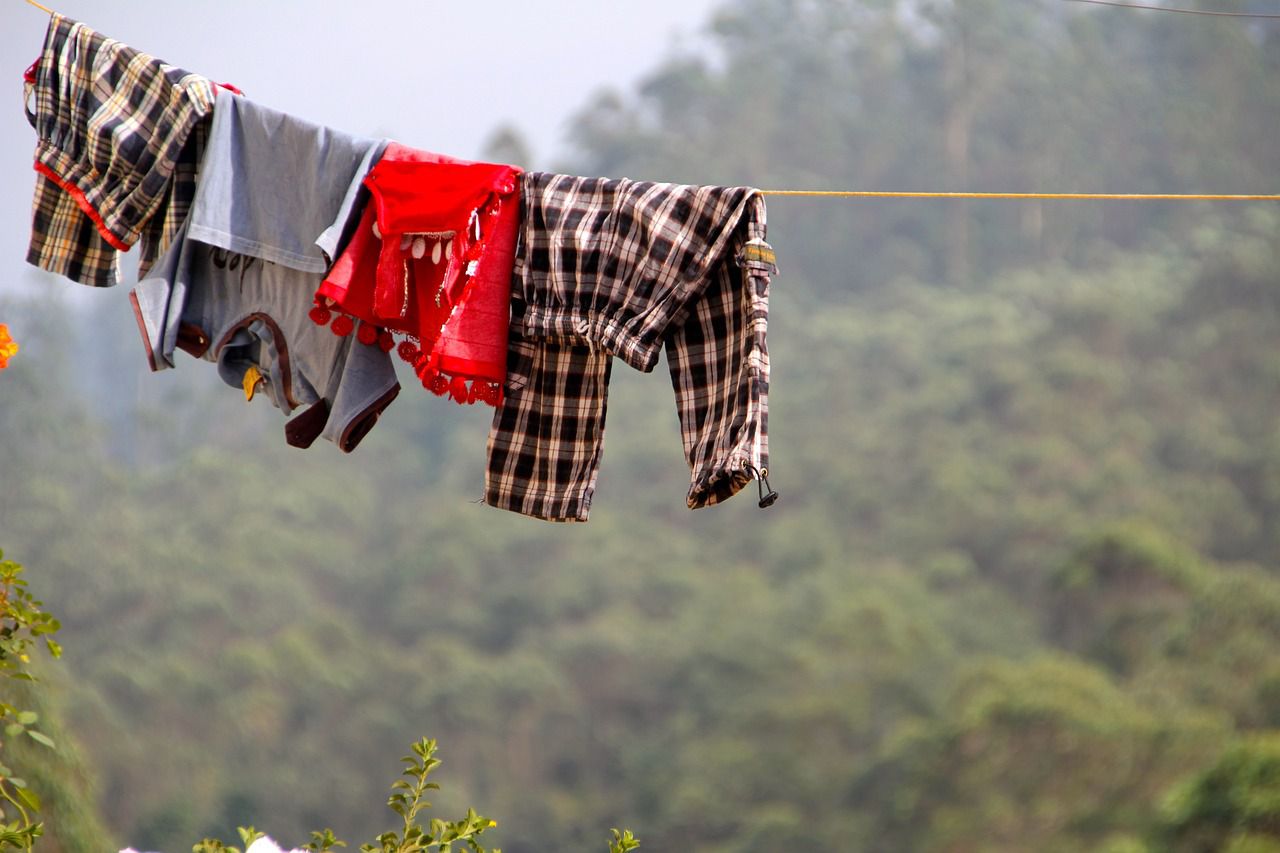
<point x="431" y="261"/>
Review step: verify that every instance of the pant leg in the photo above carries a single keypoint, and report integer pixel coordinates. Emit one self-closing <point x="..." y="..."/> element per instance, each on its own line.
<point x="547" y="436"/>
<point x="719" y="364"/>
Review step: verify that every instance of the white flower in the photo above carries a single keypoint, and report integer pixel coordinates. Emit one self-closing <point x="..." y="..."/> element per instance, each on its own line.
<point x="266" y="845"/>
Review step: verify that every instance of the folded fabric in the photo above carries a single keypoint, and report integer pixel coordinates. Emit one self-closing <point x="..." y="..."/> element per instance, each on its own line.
<point x="271" y="187"/>
<point x="280" y="188"/>
<point x="431" y="261"/>
<point x="628" y="268"/>
<point x="249" y="317"/>
<point x="117" y="145"/>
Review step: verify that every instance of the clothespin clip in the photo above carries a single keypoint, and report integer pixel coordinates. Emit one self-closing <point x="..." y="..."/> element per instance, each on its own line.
<point x="252" y="379"/>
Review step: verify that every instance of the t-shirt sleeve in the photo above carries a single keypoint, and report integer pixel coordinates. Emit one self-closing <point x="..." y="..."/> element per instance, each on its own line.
<point x="366" y="386"/>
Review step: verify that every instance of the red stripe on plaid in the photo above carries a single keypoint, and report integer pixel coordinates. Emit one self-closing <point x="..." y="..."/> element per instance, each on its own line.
<point x="89" y="210"/>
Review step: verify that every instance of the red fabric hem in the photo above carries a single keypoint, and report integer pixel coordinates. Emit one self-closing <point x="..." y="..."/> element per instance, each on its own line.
<point x="89" y="210"/>
<point x="472" y="369"/>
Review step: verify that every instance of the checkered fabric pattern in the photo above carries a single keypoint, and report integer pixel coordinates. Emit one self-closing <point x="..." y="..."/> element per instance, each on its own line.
<point x="160" y="230"/>
<point x="627" y="268"/>
<point x="115" y="154"/>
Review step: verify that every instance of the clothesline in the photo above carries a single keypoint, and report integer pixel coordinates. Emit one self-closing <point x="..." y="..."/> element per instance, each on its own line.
<point x="430" y="261"/>
<point x="1011" y="196"/>
<point x="1151" y="8"/>
<point x="1054" y="196"/>
<point x="49" y="11"/>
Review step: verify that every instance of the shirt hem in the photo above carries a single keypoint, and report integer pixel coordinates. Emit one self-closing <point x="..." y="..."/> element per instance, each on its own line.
<point x="536" y="505"/>
<point x="272" y="254"/>
<point x="359" y="426"/>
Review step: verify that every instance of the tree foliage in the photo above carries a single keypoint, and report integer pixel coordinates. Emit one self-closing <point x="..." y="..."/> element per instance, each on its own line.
<point x="1021" y="590"/>
<point x="42" y="789"/>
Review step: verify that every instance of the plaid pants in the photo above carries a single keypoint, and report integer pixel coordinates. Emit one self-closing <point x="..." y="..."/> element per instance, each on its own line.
<point x="626" y="268"/>
<point x="120" y="136"/>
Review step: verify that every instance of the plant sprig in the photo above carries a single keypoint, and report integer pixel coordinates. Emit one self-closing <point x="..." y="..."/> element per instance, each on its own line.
<point x="409" y="799"/>
<point x="23" y="625"/>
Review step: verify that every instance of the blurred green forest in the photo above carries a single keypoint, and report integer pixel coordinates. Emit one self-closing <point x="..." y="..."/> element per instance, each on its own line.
<point x="1022" y="589"/>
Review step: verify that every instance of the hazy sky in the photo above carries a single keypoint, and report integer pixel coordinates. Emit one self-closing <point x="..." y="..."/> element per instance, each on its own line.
<point x="434" y="75"/>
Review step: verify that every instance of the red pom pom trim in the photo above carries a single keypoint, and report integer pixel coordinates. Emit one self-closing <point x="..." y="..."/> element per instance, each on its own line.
<point x="408" y="351"/>
<point x="342" y="325"/>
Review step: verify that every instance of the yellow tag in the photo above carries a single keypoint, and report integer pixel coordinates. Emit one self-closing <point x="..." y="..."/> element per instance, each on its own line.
<point x="252" y="379"/>
<point x="759" y="252"/>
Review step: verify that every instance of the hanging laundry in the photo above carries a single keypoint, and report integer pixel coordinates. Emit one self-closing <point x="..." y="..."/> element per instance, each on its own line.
<point x="525" y="317"/>
<point x="624" y="268"/>
<point x="248" y="316"/>
<point x="119" y="134"/>
<point x="431" y="261"/>
<point x="278" y="187"/>
<point x="274" y="197"/>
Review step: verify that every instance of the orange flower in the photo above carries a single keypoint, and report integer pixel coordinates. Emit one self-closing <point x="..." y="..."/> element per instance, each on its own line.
<point x="8" y="347"/>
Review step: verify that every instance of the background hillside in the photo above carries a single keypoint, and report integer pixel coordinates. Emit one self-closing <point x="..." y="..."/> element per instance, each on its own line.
<point x="1022" y="588"/>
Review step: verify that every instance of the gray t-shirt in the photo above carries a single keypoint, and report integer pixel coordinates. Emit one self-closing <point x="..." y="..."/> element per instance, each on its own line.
<point x="271" y="188"/>
<point x="277" y="187"/>
<point x="243" y="313"/>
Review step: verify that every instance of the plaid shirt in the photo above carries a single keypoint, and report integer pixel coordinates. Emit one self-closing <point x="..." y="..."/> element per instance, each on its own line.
<point x="116" y="153"/>
<point x="620" y="267"/>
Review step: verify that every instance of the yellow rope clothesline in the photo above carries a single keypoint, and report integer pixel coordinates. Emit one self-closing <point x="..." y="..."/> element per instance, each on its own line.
<point x="1150" y="8"/>
<point x="49" y="11"/>
<point x="1053" y="196"/>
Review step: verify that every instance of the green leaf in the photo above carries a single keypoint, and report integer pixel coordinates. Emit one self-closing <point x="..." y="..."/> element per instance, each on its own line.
<point x="623" y="842"/>
<point x="28" y="717"/>
<point x="41" y="738"/>
<point x="14" y="729"/>
<point x="29" y="797"/>
<point x="324" y="840"/>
